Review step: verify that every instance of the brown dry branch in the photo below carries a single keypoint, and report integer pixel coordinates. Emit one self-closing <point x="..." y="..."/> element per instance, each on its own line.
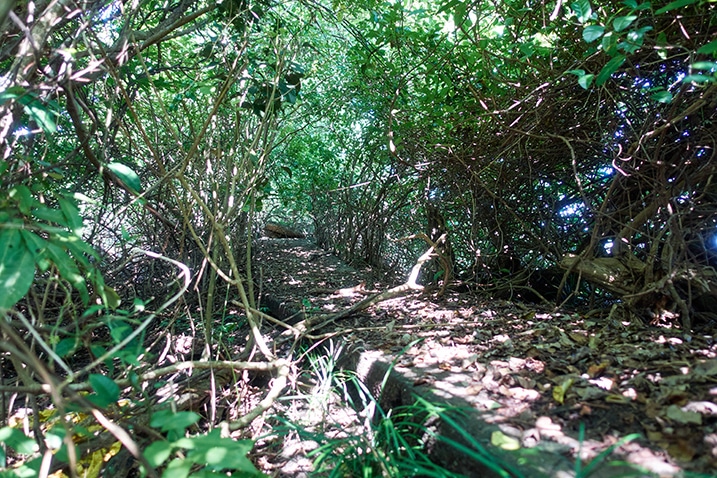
<point x="187" y="366"/>
<point x="319" y="321"/>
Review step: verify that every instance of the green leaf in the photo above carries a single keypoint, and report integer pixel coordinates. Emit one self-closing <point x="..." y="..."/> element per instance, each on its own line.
<point x="158" y="452"/>
<point x="628" y="47"/>
<point x="583" y="80"/>
<point x="610" y="67"/>
<point x="593" y="32"/>
<point x="11" y="93"/>
<point x="638" y="36"/>
<point x="621" y="23"/>
<point x="68" y="270"/>
<point x="97" y="350"/>
<point x="17" y="268"/>
<point x="583" y="10"/>
<point x="79" y="248"/>
<point x="704" y="65"/>
<point x="291" y="97"/>
<point x="609" y="42"/>
<point x="119" y="330"/>
<point x="167" y="420"/>
<point x="586" y="80"/>
<point x="709" y="48"/>
<point x="110" y="297"/>
<point x="50" y="215"/>
<point x="23" y="196"/>
<point x="44" y="116"/>
<point x="219" y="453"/>
<point x="178" y="468"/>
<point x="663" y="96"/>
<point x="127" y="175"/>
<point x="698" y="79"/>
<point x="92" y="310"/>
<point x="65" y="347"/>
<point x="37" y="246"/>
<point x="459" y="14"/>
<point x="528" y="49"/>
<point x="72" y="214"/>
<point x="674" y="5"/>
<point x="18" y="441"/>
<point x="630" y="3"/>
<point x="107" y="390"/>
<point x="55" y="437"/>
<point x="205" y="473"/>
<point x="29" y="469"/>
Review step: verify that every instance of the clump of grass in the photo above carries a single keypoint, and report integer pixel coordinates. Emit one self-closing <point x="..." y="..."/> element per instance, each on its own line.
<point x="387" y="444"/>
<point x="392" y="447"/>
<point x="394" y="443"/>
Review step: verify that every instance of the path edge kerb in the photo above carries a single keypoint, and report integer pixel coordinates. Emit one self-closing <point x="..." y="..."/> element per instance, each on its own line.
<point x="394" y="388"/>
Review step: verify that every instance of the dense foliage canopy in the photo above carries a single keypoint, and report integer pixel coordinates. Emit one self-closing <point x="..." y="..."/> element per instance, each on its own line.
<point x="548" y="151"/>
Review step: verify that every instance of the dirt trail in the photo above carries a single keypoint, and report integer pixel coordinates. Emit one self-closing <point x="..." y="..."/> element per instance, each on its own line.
<point x="529" y="377"/>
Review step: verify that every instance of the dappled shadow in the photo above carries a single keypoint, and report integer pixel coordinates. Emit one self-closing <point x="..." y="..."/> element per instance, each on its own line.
<point x="533" y="375"/>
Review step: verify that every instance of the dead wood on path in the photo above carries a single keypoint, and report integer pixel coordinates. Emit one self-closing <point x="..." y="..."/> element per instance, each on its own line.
<point x="316" y="322"/>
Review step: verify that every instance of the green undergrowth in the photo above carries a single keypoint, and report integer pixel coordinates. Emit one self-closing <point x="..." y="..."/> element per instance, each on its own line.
<point x="177" y="451"/>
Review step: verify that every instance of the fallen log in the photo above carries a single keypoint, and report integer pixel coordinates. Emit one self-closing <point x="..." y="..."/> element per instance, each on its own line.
<point x="277" y="231"/>
<point x="622" y="277"/>
<point x="690" y="290"/>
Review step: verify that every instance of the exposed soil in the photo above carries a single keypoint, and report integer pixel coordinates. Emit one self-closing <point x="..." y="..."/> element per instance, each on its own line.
<point x="536" y="374"/>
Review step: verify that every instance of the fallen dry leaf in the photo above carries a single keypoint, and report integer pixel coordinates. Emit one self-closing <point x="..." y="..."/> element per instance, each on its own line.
<point x="501" y="440"/>
<point x="560" y="391"/>
<point x="681" y="450"/>
<point x="578" y="338"/>
<point x="677" y="414"/>
<point x="597" y="369"/>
